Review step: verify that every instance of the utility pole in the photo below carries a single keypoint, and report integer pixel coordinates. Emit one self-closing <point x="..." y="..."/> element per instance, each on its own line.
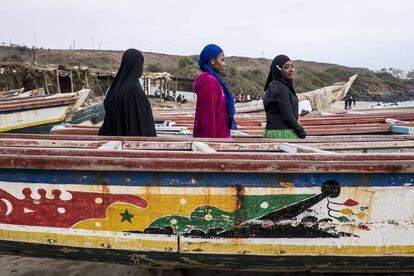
<point x="99" y="47"/>
<point x="34" y="55"/>
<point x="73" y="45"/>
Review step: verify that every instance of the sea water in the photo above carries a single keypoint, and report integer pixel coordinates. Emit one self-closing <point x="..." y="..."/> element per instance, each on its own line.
<point x="393" y="104"/>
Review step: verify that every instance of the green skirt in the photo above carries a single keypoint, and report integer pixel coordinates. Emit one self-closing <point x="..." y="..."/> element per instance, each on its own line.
<point x="280" y="134"/>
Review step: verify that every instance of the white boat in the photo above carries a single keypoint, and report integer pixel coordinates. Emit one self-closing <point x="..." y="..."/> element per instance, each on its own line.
<point x="38" y="113"/>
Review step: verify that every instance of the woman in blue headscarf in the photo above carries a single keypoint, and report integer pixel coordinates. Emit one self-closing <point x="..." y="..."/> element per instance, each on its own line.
<point x="214" y="115"/>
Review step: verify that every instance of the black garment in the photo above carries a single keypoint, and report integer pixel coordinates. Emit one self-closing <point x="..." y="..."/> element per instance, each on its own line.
<point x="275" y="69"/>
<point x="127" y="109"/>
<point x="280" y="101"/>
<point x="281" y="106"/>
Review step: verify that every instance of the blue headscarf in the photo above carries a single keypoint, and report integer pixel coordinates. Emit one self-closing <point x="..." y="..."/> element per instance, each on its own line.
<point x="210" y="52"/>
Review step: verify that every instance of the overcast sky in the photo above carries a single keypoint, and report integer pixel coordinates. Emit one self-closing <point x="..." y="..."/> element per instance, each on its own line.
<point x="360" y="33"/>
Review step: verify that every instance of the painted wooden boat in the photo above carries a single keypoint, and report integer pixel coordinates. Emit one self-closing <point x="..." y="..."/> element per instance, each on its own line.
<point x="95" y="198"/>
<point x="32" y="93"/>
<point x="37" y="113"/>
<point x="253" y="125"/>
<point x="89" y="114"/>
<point x="335" y="144"/>
<point x="11" y="93"/>
<point x="19" y="93"/>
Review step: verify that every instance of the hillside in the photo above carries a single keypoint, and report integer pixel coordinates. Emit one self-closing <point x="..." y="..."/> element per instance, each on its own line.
<point x="243" y="75"/>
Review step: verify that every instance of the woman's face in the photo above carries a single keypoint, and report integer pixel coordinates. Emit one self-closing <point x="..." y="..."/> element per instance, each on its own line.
<point x="218" y="63"/>
<point x="288" y="70"/>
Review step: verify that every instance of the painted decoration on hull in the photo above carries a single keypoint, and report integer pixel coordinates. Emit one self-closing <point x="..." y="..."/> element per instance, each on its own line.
<point x="258" y="216"/>
<point x="58" y="212"/>
<point x="229" y="215"/>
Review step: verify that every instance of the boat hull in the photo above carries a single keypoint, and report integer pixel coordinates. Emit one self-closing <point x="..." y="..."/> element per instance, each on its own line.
<point x="38" y="113"/>
<point x="24" y="119"/>
<point x="263" y="220"/>
<point x="213" y="262"/>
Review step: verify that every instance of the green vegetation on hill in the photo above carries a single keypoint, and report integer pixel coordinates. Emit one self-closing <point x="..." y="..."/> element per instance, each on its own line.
<point x="242" y="75"/>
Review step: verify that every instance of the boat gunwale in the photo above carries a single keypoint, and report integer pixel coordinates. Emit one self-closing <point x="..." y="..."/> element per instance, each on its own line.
<point x="112" y="160"/>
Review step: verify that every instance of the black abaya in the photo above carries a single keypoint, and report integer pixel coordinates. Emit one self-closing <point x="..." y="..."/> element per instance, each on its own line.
<point x="127" y="109"/>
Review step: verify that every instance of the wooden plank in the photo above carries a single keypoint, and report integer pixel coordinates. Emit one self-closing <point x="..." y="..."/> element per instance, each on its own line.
<point x="220" y="163"/>
<point x="45" y="143"/>
<point x="402" y="129"/>
<point x="71" y="81"/>
<point x="212" y="157"/>
<point x="311" y="130"/>
<point x="202" y="147"/>
<point x="292" y="148"/>
<point x="309" y="139"/>
<point x="156" y="145"/>
<point x="38" y="104"/>
<point x="36" y="99"/>
<point x="363" y="145"/>
<point x="239" y="133"/>
<point x="57" y="81"/>
<point x="394" y="121"/>
<point x="111" y="145"/>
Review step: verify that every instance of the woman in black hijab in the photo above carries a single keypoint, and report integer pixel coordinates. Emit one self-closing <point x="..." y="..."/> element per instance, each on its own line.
<point x="280" y="102"/>
<point x="127" y="109"/>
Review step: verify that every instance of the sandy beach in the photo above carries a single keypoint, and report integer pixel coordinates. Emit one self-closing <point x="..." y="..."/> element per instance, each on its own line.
<point x="372" y="107"/>
<point x="26" y="266"/>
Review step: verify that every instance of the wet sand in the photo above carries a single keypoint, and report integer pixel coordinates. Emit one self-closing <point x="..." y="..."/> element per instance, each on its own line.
<point x="26" y="266"/>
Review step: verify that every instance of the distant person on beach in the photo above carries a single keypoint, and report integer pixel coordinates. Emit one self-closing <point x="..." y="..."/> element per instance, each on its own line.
<point x="214" y="116"/>
<point x="184" y="100"/>
<point x="280" y="102"/>
<point x="354" y="101"/>
<point x="348" y="102"/>
<point x="127" y="109"/>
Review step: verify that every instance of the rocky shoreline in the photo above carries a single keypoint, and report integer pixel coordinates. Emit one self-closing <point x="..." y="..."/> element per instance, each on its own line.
<point x="391" y="96"/>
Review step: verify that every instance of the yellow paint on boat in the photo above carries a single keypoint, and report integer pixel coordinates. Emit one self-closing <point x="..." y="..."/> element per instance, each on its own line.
<point x="38" y="123"/>
<point x="246" y="247"/>
<point x="134" y="242"/>
<point x="159" y="205"/>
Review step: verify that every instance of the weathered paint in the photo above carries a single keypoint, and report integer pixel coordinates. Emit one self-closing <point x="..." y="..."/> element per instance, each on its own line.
<point x="20" y="113"/>
<point x="311" y="129"/>
<point x="36" y="103"/>
<point x="32" y="117"/>
<point x="385" y="233"/>
<point x="403" y="129"/>
<point x="308" y="139"/>
<point x="270" y="208"/>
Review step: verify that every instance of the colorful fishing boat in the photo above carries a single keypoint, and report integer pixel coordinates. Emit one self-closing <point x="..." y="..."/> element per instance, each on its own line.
<point x="138" y="201"/>
<point x="250" y="125"/>
<point x="37" y="113"/>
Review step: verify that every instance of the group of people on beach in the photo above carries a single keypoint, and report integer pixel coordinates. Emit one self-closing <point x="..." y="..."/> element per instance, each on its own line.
<point x="128" y="110"/>
<point x="246" y="98"/>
